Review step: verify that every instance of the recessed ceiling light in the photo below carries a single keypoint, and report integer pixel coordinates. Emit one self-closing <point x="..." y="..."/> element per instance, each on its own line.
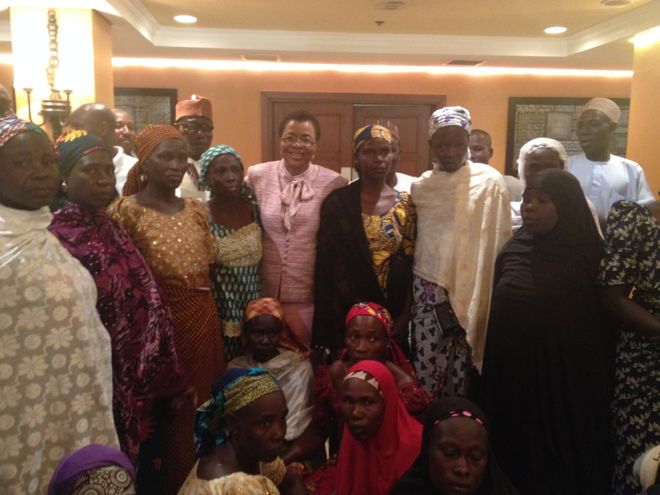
<point x="185" y="19"/>
<point x="555" y="30"/>
<point x="391" y="5"/>
<point x="615" y="3"/>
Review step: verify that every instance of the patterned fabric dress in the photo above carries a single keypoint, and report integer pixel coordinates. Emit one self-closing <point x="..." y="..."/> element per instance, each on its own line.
<point x="130" y="304"/>
<point x="178" y="249"/>
<point x="633" y="258"/>
<point x="55" y="355"/>
<point x="236" y="278"/>
<point x="390" y="233"/>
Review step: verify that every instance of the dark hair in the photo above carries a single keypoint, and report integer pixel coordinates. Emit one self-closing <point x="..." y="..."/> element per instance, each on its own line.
<point x="300" y="116"/>
<point x="481" y="132"/>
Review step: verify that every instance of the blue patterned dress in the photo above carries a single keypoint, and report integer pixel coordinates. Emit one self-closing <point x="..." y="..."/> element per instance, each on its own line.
<point x="633" y="259"/>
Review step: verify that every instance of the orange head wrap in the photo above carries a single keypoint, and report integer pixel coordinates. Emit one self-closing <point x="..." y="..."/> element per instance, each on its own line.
<point x="145" y="144"/>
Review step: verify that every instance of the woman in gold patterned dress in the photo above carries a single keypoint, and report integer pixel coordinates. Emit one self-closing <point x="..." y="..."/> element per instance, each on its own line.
<point x="173" y="235"/>
<point x="365" y="244"/>
<point x="234" y="221"/>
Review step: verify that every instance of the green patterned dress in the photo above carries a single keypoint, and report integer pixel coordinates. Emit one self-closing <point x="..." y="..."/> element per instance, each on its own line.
<point x="236" y="279"/>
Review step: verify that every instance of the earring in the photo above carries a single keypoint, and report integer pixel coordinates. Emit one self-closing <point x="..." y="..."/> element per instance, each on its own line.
<point x="63" y="186"/>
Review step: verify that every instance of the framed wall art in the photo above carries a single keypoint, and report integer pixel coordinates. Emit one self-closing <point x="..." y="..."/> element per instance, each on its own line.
<point x="555" y="118"/>
<point x="147" y="105"/>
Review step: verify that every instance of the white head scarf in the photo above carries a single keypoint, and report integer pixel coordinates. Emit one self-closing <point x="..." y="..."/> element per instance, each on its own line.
<point x="604" y="105"/>
<point x="535" y="144"/>
<point x="447" y="116"/>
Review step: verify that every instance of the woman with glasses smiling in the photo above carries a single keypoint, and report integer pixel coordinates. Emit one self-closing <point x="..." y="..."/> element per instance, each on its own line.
<point x="290" y="192"/>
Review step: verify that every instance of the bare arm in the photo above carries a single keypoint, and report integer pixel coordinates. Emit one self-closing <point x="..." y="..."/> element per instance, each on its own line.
<point x="616" y="300"/>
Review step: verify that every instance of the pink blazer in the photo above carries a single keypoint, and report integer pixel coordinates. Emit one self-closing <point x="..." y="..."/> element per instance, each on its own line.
<point x="287" y="264"/>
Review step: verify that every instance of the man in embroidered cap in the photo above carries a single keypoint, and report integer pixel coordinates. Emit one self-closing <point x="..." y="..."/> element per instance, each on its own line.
<point x="194" y="119"/>
<point x="605" y="178"/>
<point x="463" y="220"/>
<point x="97" y="119"/>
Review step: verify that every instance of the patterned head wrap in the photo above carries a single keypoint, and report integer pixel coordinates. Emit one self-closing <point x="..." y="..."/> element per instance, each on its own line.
<point x="535" y="144"/>
<point x="365" y="377"/>
<point x="371" y="309"/>
<point x="372" y="131"/>
<point x="446" y="116"/>
<point x="264" y="306"/>
<point x="234" y="390"/>
<point x="145" y="144"/>
<point x="391" y="126"/>
<point x="73" y="145"/>
<point x="211" y="154"/>
<point x="603" y="105"/>
<point x="12" y="126"/>
<point x="93" y="465"/>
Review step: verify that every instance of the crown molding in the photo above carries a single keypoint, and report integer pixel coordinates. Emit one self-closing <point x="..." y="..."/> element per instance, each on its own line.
<point x="617" y="28"/>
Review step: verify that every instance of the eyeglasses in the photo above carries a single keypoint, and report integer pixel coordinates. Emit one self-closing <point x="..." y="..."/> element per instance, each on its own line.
<point x="191" y="128"/>
<point x="293" y="139"/>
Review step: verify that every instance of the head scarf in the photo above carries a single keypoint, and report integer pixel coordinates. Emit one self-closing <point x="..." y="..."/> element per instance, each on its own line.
<point x="234" y="390"/>
<point x="145" y="144"/>
<point x="197" y="106"/>
<point x="418" y="481"/>
<point x="74" y="145"/>
<point x="446" y="116"/>
<point x="371" y="309"/>
<point x="391" y="126"/>
<point x="272" y="307"/>
<point x="84" y="462"/>
<point x="536" y="144"/>
<point x="373" y="466"/>
<point x="264" y="306"/>
<point x="603" y="105"/>
<point x="575" y="235"/>
<point x="211" y="154"/>
<point x="11" y="126"/>
<point x="368" y="132"/>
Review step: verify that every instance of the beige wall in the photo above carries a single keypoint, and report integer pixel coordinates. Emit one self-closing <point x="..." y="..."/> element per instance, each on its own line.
<point x="236" y="96"/>
<point x="643" y="140"/>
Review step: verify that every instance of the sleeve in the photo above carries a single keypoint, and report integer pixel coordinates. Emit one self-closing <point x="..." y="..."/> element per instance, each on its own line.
<point x="409" y="226"/>
<point x="620" y="265"/>
<point x="121" y="212"/>
<point x="644" y="194"/>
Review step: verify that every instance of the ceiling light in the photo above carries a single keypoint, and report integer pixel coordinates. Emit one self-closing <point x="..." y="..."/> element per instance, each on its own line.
<point x="185" y="19"/>
<point x="555" y="30"/>
<point x="391" y="5"/>
<point x="615" y="3"/>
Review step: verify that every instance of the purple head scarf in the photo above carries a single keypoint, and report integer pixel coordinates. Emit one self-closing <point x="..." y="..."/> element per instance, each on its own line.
<point x="86" y="459"/>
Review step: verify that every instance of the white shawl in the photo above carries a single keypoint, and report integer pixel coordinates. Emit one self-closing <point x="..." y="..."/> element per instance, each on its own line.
<point x="463" y="220"/>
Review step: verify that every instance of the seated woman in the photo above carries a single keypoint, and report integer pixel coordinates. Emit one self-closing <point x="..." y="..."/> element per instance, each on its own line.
<point x="266" y="348"/>
<point x="456" y="457"/>
<point x="239" y="434"/>
<point x="366" y="240"/>
<point x="368" y="336"/>
<point x="55" y="353"/>
<point x="236" y="229"/>
<point x="145" y="363"/>
<point x="630" y="267"/>
<point x="381" y="440"/>
<point x="549" y="359"/>
<point x="94" y="469"/>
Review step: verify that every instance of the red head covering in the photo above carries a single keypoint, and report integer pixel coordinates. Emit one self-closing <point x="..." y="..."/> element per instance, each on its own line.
<point x="373" y="466"/>
<point x="145" y="144"/>
<point x="381" y="313"/>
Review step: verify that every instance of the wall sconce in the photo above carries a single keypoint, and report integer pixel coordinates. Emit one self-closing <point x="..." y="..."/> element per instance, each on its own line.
<point x="55" y="109"/>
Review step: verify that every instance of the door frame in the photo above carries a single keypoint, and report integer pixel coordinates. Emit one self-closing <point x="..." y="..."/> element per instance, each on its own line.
<point x="269" y="98"/>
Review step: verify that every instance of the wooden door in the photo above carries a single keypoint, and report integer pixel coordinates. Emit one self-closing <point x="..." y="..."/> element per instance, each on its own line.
<point x="412" y="122"/>
<point x="340" y="114"/>
<point x="333" y="148"/>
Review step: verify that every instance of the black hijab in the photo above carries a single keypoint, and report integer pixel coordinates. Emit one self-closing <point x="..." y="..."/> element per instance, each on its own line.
<point x="575" y="235"/>
<point x="417" y="480"/>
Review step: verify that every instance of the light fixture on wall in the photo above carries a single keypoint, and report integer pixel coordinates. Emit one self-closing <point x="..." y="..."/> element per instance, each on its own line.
<point x="55" y="109"/>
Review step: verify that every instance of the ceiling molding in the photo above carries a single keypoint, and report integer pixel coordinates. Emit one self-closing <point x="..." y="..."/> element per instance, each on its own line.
<point x="328" y="42"/>
<point x="138" y="16"/>
<point x="623" y="26"/>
